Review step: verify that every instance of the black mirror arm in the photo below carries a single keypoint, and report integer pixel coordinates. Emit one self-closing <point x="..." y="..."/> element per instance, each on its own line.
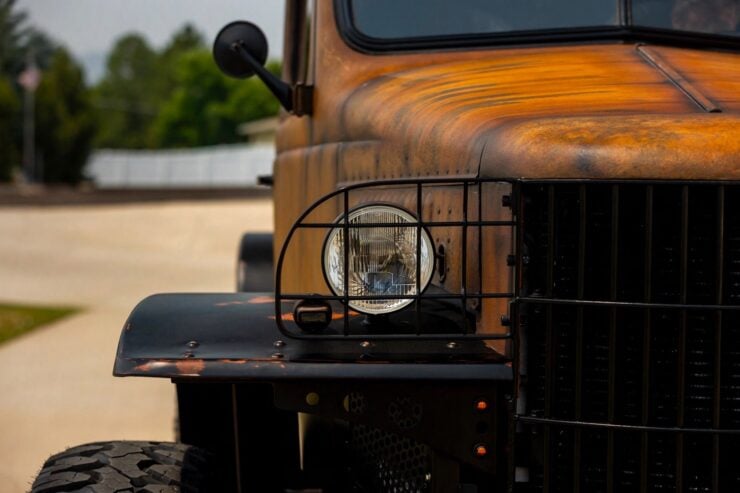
<point x="282" y="91"/>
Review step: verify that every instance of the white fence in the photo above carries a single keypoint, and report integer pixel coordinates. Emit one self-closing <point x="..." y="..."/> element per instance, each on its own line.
<point x="208" y="167"/>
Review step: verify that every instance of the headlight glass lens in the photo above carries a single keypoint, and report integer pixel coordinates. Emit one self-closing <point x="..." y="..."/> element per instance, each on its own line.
<point x="382" y="260"/>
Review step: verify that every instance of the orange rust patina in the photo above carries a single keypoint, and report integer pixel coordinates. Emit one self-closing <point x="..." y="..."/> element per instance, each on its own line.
<point x="288" y="317"/>
<point x="611" y="110"/>
<point x="257" y="300"/>
<point x="190" y="367"/>
<point x="183" y="367"/>
<point x="194" y="367"/>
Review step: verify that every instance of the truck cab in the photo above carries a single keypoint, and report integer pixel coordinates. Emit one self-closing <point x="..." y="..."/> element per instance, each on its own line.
<point x="505" y="258"/>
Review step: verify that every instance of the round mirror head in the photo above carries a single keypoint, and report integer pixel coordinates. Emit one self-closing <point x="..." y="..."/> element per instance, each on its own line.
<point x="250" y="37"/>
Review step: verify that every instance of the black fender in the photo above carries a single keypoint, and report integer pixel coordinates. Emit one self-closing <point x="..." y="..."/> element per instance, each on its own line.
<point x="234" y="336"/>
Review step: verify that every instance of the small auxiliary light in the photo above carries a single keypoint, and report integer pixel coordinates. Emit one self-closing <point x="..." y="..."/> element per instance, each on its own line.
<point x="312" y="315"/>
<point x="481" y="405"/>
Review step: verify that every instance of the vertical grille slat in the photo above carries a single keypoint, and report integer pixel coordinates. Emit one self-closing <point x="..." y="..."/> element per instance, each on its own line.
<point x="578" y="375"/>
<point x="671" y="362"/>
<point x="730" y="353"/>
<point x="613" y="281"/>
<point x="627" y="328"/>
<point x="681" y="367"/>
<point x="647" y="337"/>
<point x="666" y="286"/>
<point x="716" y="402"/>
<point x="565" y="283"/>
<point x="549" y="336"/>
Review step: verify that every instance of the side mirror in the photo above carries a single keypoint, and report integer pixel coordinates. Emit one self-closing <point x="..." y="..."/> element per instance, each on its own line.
<point x="240" y="51"/>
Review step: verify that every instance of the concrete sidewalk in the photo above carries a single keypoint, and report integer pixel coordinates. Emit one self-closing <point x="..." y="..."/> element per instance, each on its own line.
<point x="56" y="388"/>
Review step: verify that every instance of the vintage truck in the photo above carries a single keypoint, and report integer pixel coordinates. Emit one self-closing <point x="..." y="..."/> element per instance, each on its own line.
<point x="506" y="258"/>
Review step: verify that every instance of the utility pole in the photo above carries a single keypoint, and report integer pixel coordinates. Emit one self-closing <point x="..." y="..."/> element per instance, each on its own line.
<point x="29" y="80"/>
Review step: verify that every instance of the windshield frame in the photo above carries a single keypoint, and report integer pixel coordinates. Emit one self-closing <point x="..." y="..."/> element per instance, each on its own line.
<point x="625" y="31"/>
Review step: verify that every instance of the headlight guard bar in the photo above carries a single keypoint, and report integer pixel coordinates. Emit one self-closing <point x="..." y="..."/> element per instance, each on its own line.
<point x="461" y="299"/>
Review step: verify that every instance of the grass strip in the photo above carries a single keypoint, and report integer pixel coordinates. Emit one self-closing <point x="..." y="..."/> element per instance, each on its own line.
<point x="16" y="320"/>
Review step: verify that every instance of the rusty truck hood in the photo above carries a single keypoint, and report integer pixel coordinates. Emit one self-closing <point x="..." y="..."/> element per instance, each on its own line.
<point x="600" y="111"/>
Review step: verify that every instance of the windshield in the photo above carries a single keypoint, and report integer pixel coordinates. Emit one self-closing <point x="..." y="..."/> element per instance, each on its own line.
<point x="405" y="19"/>
<point x="702" y="16"/>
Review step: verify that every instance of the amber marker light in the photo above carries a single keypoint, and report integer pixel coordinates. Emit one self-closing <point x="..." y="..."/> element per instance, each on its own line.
<point x="481" y="405"/>
<point x="481" y="450"/>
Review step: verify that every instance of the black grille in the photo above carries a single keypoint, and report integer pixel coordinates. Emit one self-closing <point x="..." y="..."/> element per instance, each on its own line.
<point x="629" y="336"/>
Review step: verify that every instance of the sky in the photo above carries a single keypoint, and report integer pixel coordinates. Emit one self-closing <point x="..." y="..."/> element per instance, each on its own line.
<point x="89" y="28"/>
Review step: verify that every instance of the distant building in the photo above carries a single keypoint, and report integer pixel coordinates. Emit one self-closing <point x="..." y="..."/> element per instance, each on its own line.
<point x="259" y="131"/>
<point x="227" y="166"/>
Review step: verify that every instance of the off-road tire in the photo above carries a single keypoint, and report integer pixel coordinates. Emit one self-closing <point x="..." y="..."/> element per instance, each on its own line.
<point x="255" y="269"/>
<point x="127" y="467"/>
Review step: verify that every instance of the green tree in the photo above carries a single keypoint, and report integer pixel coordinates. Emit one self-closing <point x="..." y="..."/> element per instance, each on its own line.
<point x="17" y="40"/>
<point x="138" y="81"/>
<point x="9" y="119"/>
<point x="12" y="36"/>
<point x="184" y="41"/>
<point x="183" y="121"/>
<point x="206" y="107"/>
<point x="174" y="98"/>
<point x="64" y="123"/>
<point x="188" y="38"/>
<point x="126" y="99"/>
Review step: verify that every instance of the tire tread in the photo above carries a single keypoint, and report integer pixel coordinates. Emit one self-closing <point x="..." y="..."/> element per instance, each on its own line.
<point x="126" y="467"/>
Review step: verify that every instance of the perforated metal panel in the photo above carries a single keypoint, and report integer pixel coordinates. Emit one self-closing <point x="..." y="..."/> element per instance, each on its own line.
<point x="390" y="463"/>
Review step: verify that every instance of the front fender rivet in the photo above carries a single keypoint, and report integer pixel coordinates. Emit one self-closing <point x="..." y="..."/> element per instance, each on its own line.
<point x="279" y="343"/>
<point x="277" y="355"/>
<point x="193" y="344"/>
<point x="312" y="399"/>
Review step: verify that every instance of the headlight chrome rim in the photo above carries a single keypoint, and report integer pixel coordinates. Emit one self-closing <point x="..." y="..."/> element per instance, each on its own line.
<point x="413" y="223"/>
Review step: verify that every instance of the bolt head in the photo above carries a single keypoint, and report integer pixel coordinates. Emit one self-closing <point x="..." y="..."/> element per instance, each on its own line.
<point x="312" y="399"/>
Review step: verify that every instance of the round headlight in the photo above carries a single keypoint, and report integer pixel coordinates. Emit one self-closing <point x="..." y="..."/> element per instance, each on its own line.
<point x="382" y="260"/>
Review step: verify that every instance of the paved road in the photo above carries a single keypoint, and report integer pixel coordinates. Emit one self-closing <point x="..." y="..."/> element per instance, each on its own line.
<point x="56" y="388"/>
